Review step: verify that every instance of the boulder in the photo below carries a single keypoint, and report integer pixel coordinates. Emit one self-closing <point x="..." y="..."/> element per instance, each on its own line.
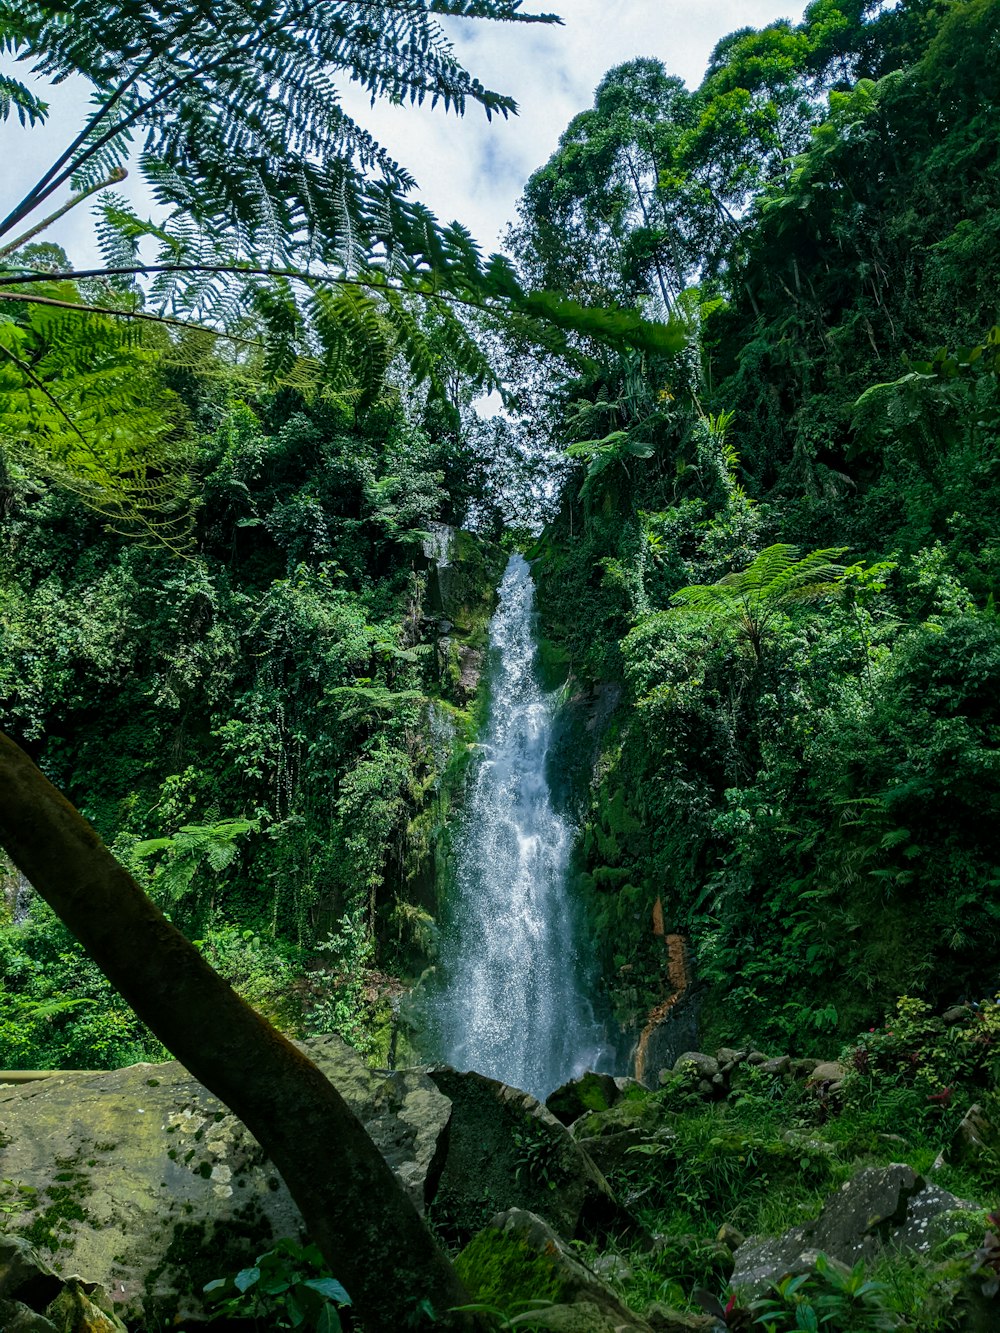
<point x="505" y="1149"/>
<point x="518" y="1259"/>
<point x="583" y="1317"/>
<point x="831" y="1072"/>
<point x="697" y="1064"/>
<point x="148" y="1184"/>
<point x="805" y="1067"/>
<point x="958" y="1013"/>
<point x="664" y="1320"/>
<point x="781" y="1064"/>
<point x="730" y="1237"/>
<point x="607" y="1136"/>
<point x="158" y="1188"/>
<point x="612" y="1268"/>
<point x="727" y="1056"/>
<point x="641" y="1113"/>
<point x="589" y="1092"/>
<point x="878" y="1207"/>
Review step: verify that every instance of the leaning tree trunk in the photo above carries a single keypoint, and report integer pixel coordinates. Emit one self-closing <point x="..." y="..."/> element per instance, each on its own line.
<point x="352" y="1205"/>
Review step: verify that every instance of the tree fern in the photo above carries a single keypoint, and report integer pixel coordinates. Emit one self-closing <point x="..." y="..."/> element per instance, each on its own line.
<point x="283" y="217"/>
<point x="83" y="405"/>
<point x="183" y="854"/>
<point x="747" y="600"/>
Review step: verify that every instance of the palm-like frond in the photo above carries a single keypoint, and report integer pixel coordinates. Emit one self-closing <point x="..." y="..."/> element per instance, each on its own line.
<point x="14" y="96"/>
<point x="83" y="406"/>
<point x="747" y="599"/>
<point x="243" y="97"/>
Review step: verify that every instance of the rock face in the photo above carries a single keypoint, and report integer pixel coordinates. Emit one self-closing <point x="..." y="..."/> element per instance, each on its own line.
<point x="148" y="1184"/>
<point x="880" y="1206"/>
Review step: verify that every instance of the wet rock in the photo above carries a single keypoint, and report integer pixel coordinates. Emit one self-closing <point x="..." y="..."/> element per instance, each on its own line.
<point x="756" y="1058"/>
<point x="879" y="1207"/>
<point x="589" y="1092"/>
<point x="519" y="1258"/>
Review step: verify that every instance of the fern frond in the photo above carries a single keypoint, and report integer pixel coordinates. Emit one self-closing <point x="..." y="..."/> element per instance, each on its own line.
<point x="747" y="599"/>
<point x="14" y="96"/>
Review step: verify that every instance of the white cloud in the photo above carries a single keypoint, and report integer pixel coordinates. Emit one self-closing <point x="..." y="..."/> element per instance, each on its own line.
<point x="465" y="167"/>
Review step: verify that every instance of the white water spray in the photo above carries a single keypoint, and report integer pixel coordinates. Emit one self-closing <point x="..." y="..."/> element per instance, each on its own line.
<point x="514" y="1005"/>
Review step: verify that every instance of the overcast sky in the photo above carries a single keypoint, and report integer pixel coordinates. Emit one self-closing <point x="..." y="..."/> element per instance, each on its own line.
<point x="468" y="168"/>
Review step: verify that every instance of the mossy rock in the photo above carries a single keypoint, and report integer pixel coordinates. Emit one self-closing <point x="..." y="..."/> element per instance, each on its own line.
<point x="644" y="1113"/>
<point x="503" y="1270"/>
<point x="519" y="1262"/>
<point x="589" y="1092"/>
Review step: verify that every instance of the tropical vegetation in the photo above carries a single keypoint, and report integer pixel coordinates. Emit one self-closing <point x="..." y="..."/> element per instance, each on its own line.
<point x="749" y="354"/>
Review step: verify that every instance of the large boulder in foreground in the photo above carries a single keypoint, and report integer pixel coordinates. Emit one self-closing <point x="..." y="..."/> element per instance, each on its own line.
<point x="506" y="1150"/>
<point x="149" y="1185"/>
<point x="880" y="1206"/>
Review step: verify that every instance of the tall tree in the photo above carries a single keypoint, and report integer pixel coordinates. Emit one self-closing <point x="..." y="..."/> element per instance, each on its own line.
<point x="603" y="217"/>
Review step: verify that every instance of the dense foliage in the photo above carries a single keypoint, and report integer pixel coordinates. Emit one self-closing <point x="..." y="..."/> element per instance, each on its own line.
<point x="806" y="785"/>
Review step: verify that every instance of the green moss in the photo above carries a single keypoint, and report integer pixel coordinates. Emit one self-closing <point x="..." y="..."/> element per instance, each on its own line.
<point x="54" y="1222"/>
<point x="502" y="1269"/>
<point x="553" y="663"/>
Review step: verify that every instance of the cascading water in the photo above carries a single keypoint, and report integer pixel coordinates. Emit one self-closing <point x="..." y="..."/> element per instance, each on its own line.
<point x="513" y="1004"/>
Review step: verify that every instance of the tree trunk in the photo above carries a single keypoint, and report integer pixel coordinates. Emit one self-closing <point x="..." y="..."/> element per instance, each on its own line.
<point x="353" y="1207"/>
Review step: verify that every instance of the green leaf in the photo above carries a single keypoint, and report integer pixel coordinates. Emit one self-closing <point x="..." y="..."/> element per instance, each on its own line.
<point x="330" y="1288"/>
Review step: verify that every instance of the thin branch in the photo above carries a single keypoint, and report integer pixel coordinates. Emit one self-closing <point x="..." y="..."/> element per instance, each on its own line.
<point x="116" y="176"/>
<point x="312" y="280"/>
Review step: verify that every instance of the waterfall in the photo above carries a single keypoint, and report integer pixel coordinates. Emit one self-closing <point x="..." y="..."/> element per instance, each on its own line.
<point x="513" y="1003"/>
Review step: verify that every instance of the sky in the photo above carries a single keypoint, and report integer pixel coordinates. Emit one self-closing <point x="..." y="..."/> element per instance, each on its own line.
<point x="466" y="168"/>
